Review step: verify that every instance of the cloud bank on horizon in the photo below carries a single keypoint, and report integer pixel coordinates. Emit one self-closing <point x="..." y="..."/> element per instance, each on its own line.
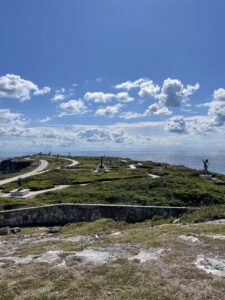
<point x="164" y="116"/>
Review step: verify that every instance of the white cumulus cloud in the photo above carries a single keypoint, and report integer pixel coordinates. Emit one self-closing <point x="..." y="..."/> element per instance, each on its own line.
<point x="59" y="95"/>
<point x="148" y="89"/>
<point x="124" y="97"/>
<point x="157" y="109"/>
<point x="13" y="86"/>
<point x="45" y="120"/>
<point x="175" y="94"/>
<point x="102" y="135"/>
<point x="73" y="107"/>
<point x="10" y="118"/>
<point x="130" y="115"/>
<point x="128" y="85"/>
<point x="98" y="97"/>
<point x="217" y="107"/>
<point x="177" y="124"/>
<point x="109" y="111"/>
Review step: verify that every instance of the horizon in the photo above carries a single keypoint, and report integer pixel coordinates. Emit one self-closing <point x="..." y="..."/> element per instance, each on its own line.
<point x="188" y="159"/>
<point x="125" y="76"/>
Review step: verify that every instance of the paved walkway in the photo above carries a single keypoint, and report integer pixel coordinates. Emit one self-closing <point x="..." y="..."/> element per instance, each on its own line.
<point x="35" y="193"/>
<point x="43" y="165"/>
<point x="39" y="170"/>
<point x="132" y="167"/>
<point x="73" y="162"/>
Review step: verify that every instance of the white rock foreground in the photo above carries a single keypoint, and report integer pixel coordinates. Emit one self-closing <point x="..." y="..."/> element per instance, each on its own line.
<point x="101" y="255"/>
<point x="59" y="258"/>
<point x="212" y="266"/>
<point x="189" y="239"/>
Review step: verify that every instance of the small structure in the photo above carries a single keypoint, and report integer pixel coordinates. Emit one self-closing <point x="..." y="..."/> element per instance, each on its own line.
<point x="19" y="192"/>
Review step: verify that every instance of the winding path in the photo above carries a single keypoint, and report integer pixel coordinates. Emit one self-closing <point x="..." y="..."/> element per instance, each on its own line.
<point x="39" y="170"/>
<point x="35" y="193"/>
<point x="73" y="162"/>
<point x="43" y="165"/>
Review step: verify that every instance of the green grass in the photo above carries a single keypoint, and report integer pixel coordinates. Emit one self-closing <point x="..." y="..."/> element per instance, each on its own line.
<point x="10" y="203"/>
<point x="205" y="214"/>
<point x="177" y="186"/>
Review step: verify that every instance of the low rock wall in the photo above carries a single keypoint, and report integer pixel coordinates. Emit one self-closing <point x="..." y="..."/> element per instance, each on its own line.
<point x="61" y="214"/>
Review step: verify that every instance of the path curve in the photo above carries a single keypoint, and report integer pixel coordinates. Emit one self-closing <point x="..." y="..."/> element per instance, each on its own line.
<point x="73" y="162"/>
<point x="43" y="165"/>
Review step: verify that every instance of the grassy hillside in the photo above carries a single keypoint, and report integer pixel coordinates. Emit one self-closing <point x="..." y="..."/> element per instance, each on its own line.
<point x="175" y="186"/>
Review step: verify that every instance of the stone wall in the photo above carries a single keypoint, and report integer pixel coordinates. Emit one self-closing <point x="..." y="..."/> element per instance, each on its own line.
<point x="61" y="214"/>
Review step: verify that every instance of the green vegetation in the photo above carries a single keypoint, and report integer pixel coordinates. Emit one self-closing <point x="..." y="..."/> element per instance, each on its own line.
<point x="205" y="214"/>
<point x="175" y="186"/>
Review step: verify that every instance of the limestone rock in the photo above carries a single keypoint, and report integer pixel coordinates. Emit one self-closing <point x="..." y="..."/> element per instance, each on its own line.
<point x="15" y="229"/>
<point x="5" y="230"/>
<point x="176" y="221"/>
<point x="53" y="229"/>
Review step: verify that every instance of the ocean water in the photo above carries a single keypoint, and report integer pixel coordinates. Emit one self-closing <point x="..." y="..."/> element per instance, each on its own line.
<point x="186" y="158"/>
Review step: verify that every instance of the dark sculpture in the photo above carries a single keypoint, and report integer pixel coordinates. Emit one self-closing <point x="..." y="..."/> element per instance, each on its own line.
<point x="206" y="164"/>
<point x="101" y="164"/>
<point x="19" y="184"/>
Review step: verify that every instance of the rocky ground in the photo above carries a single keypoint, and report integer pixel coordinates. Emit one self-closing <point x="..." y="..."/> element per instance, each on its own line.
<point x="108" y="260"/>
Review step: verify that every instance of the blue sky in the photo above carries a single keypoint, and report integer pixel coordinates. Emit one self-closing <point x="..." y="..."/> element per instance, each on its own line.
<point x="130" y="74"/>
